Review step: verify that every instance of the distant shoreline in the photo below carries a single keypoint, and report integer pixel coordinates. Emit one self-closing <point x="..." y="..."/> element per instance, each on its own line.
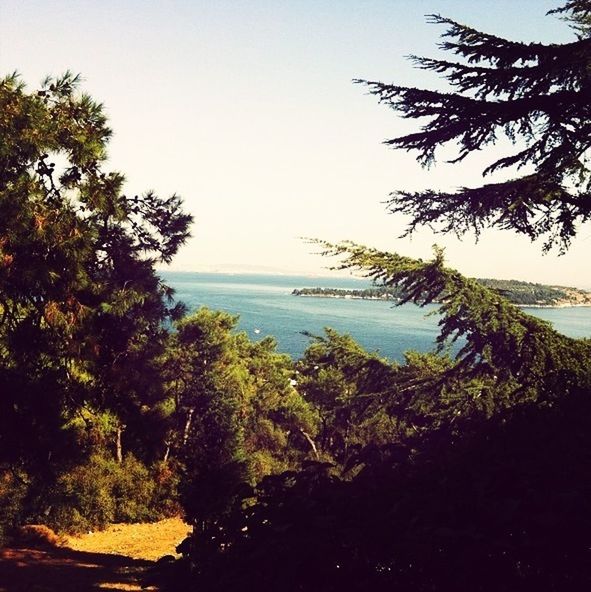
<point x="560" y="305"/>
<point x="522" y="294"/>
<point x="397" y="300"/>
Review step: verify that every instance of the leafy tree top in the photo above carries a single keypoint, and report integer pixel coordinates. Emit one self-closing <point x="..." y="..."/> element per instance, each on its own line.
<point x="81" y="306"/>
<point x="499" y="340"/>
<point x="538" y="96"/>
<point x="67" y="230"/>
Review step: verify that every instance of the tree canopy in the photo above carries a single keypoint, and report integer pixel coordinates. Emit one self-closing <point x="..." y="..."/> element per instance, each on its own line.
<point x="81" y="306"/>
<point x="536" y="95"/>
<point x="480" y="482"/>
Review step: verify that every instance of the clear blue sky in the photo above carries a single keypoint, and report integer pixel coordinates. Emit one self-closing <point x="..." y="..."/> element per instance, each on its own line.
<point x="246" y="109"/>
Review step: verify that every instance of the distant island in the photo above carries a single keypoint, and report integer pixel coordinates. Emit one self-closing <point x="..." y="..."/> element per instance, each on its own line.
<point x="520" y="293"/>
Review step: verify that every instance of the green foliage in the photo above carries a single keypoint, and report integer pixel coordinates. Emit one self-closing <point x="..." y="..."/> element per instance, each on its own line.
<point x="206" y="430"/>
<point x="101" y="491"/>
<point x="79" y="298"/>
<point x="440" y="461"/>
<point x="82" y="311"/>
<point x="348" y="388"/>
<point x="501" y="342"/>
<point x="235" y="415"/>
<point x="481" y="479"/>
<point x="534" y="94"/>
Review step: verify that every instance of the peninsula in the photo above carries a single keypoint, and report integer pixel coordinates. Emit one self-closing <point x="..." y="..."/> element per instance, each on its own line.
<point x="521" y="293"/>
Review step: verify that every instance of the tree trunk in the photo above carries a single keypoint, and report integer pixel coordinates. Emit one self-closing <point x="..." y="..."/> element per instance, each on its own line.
<point x="118" y="446"/>
<point x="311" y="442"/>
<point x="187" y="425"/>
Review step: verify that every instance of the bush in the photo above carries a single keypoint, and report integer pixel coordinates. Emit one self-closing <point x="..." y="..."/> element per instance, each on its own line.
<point x="133" y="492"/>
<point x="35" y="535"/>
<point x="82" y="497"/>
<point x="166" y="476"/>
<point x="12" y="492"/>
<point x="102" y="491"/>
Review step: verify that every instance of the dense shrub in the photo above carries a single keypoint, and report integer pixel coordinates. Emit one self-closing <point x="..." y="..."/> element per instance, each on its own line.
<point x="102" y="491"/>
<point x="165" y="498"/>
<point x="12" y="493"/>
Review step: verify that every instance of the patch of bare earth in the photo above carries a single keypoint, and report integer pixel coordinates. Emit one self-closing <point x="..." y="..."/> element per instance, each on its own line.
<point x="115" y="559"/>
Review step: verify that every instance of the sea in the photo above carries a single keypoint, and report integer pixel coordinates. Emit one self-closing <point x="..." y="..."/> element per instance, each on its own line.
<point x="266" y="306"/>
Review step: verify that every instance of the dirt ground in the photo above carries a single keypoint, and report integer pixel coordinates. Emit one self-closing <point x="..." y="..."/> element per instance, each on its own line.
<point x="138" y="541"/>
<point x="115" y="559"/>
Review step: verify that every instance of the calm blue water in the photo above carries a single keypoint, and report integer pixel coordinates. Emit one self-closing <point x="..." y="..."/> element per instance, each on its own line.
<point x="266" y="307"/>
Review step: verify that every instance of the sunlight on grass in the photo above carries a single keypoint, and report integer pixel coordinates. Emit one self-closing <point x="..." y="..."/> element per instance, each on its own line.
<point x="120" y="586"/>
<point x="140" y="541"/>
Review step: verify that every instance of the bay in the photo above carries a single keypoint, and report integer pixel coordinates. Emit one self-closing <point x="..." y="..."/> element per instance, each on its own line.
<point x="266" y="306"/>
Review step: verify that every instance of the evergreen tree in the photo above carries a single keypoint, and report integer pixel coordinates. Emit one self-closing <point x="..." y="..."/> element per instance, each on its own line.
<point x="538" y="96"/>
<point x="347" y="387"/>
<point x="234" y="414"/>
<point x="81" y="307"/>
<point x="485" y="487"/>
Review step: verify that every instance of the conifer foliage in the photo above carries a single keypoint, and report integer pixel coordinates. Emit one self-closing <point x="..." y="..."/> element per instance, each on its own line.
<point x="81" y="307"/>
<point x="499" y="340"/>
<point x="538" y="96"/>
<point x="483" y="484"/>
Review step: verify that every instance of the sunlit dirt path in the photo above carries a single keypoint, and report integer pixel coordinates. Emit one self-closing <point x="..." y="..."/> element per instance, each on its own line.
<point x="115" y="559"/>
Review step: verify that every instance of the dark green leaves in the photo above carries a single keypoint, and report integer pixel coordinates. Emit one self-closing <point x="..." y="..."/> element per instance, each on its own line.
<point x="536" y="95"/>
<point x="499" y="340"/>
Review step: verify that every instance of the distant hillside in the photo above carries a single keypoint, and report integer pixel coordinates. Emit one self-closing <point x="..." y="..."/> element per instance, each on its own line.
<point x="528" y="294"/>
<point x="520" y="293"/>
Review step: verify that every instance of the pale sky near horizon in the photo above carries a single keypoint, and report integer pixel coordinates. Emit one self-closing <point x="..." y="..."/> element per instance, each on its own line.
<point x="246" y="109"/>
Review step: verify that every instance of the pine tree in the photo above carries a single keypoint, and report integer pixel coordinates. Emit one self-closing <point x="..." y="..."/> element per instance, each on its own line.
<point x="493" y="494"/>
<point x="81" y="307"/>
<point x="538" y="96"/>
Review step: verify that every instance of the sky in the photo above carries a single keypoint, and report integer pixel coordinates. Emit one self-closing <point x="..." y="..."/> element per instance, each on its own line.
<point x="248" y="111"/>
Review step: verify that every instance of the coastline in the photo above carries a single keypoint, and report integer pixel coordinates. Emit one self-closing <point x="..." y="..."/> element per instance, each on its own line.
<point x="396" y="300"/>
<point x="560" y="305"/>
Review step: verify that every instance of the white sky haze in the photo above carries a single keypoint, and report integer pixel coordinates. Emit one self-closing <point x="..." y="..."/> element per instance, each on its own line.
<point x="247" y="110"/>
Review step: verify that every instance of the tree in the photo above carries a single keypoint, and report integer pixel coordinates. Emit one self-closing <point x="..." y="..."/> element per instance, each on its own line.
<point x="486" y="487"/>
<point x="347" y="387"/>
<point x="234" y="418"/>
<point x="235" y="415"/>
<point x="537" y="95"/>
<point x="81" y="307"/>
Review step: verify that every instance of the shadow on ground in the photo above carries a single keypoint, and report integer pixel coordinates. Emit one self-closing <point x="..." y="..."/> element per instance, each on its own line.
<point x="53" y="569"/>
